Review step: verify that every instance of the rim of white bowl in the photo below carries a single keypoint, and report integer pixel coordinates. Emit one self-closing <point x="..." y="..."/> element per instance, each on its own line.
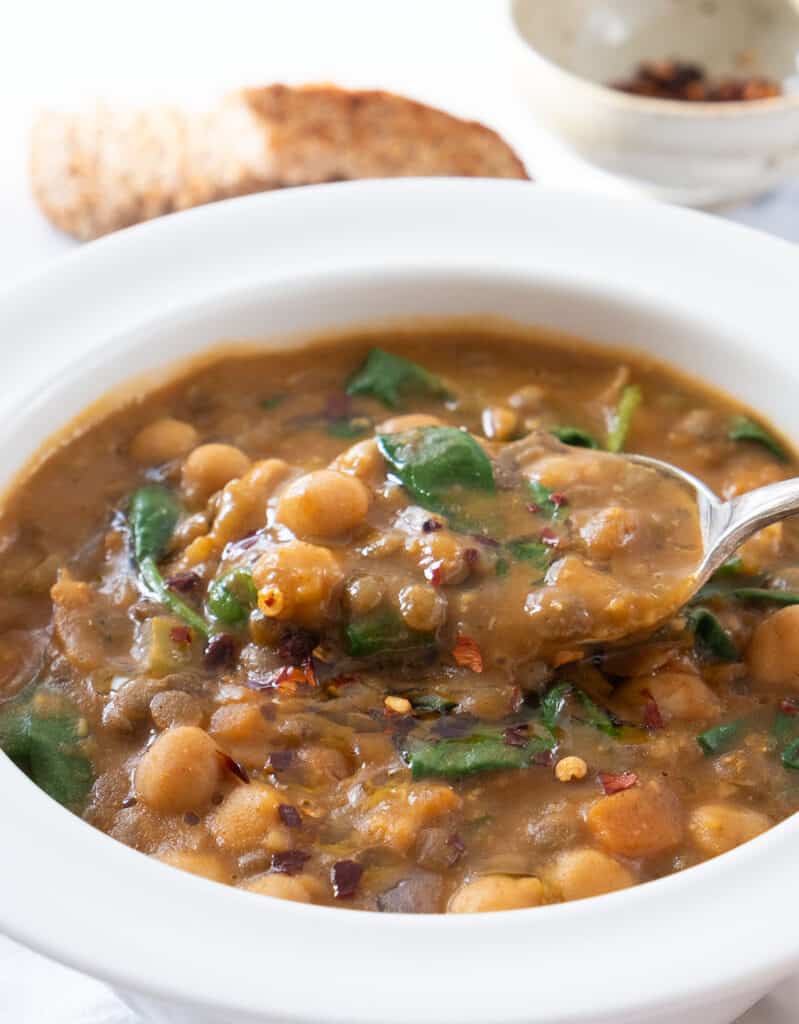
<point x="77" y="895"/>
<point x="696" y="110"/>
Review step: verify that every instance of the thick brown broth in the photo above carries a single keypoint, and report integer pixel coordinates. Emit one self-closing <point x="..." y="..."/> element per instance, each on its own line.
<point x="351" y="668"/>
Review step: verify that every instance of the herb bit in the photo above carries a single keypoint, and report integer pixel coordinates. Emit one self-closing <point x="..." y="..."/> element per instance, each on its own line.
<point x="390" y="378"/>
<point x="622" y="418"/>
<point x="232" y="597"/>
<point x="485" y="750"/>
<point x="435" y="463"/>
<point x="710" y="637"/>
<point x="742" y="428"/>
<point x="383" y="632"/>
<point x="720" y="738"/>
<point x="574" y="436"/>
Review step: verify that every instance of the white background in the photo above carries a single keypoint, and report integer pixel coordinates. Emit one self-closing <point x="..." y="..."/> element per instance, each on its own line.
<point x="66" y="53"/>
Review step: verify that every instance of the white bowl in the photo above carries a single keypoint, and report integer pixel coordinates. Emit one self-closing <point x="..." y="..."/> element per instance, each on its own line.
<point x="717" y="299"/>
<point x="698" y="154"/>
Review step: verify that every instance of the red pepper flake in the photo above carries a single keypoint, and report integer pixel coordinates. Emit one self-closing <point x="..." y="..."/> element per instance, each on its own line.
<point x="220" y="651"/>
<point x="549" y="537"/>
<point x="467" y="654"/>
<point x="434" y="573"/>
<point x="471" y="557"/>
<point x="652" y="716"/>
<point x="558" y="499"/>
<point x="615" y="782"/>
<point x="309" y="673"/>
<point x="431" y="525"/>
<point x="183" y="582"/>
<point x="233" y="766"/>
<point x="788" y="706"/>
<point x="516" y="735"/>
<point x="345" y="876"/>
<point x="516" y="698"/>
<point x="532" y="507"/>
<point x="289" y="815"/>
<point x="482" y="538"/>
<point x="289" y="862"/>
<point x="279" y="760"/>
<point x="180" y="635"/>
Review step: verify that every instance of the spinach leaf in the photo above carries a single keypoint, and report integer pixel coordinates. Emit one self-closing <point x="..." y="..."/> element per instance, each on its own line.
<point x="272" y="401"/>
<point x="732" y="567"/>
<point x="485" y="751"/>
<point x="153" y="515"/>
<point x="554" y="702"/>
<point x="432" y="702"/>
<point x="720" y="738"/>
<point x="596" y="716"/>
<point x="154" y="581"/>
<point x="47" y="749"/>
<point x="383" y="632"/>
<point x="434" y="464"/>
<point x="574" y="436"/>
<point x="783" y="597"/>
<point x="231" y="597"/>
<point x="744" y="429"/>
<point x="790" y="756"/>
<point x="502" y="567"/>
<point x="390" y="378"/>
<point x="710" y="638"/>
<point x="349" y="427"/>
<point x="543" y="498"/>
<point x="556" y="699"/>
<point x="622" y="418"/>
<point x="533" y="551"/>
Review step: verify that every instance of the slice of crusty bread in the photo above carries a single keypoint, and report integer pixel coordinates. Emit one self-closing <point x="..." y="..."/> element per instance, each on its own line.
<point x="105" y="169"/>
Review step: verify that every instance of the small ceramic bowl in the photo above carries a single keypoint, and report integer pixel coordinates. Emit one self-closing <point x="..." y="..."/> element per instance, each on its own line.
<point x="698" y="154"/>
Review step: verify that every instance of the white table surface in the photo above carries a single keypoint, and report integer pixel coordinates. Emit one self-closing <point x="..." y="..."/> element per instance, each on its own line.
<point x="450" y="53"/>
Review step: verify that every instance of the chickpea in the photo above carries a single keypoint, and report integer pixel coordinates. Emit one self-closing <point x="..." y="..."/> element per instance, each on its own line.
<point x="242" y="503"/>
<point x="206" y="865"/>
<point x="441" y="552"/>
<point x="362" y="460"/>
<point x="246" y="816"/>
<point x="244" y="733"/>
<point x="397" y="820"/>
<point x="527" y="399"/>
<point x="323" y="504"/>
<point x="638" y="822"/>
<point x="716" y="828"/>
<point x="283" y="887"/>
<point x="364" y="594"/>
<point x="162" y="441"/>
<point x="422" y="607"/>
<point x="773" y="654"/>
<point x="499" y="423"/>
<point x="496" y="892"/>
<point x="682" y="696"/>
<point x="179" y="772"/>
<point x="209" y="467"/>
<point x="410" y="421"/>
<point x="570" y="768"/>
<point x="299" y="580"/>
<point x="577" y="874"/>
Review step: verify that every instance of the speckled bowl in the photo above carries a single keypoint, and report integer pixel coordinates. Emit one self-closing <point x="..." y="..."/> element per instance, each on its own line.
<point x="699" y="154"/>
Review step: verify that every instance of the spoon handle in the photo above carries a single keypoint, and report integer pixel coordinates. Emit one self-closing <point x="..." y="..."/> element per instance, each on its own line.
<point x="734" y="521"/>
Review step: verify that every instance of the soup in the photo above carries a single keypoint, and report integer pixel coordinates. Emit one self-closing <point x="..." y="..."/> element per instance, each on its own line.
<point x="338" y="625"/>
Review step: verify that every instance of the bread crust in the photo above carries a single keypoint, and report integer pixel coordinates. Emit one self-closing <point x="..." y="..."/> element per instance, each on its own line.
<point x="104" y="169"/>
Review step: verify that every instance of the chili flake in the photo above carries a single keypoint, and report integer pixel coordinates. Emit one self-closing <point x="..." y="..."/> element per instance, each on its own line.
<point x="467" y="654"/>
<point x="345" y="876"/>
<point x="615" y="782"/>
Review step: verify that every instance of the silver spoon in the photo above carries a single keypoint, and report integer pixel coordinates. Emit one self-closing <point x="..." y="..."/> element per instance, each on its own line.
<point x="726" y="525"/>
